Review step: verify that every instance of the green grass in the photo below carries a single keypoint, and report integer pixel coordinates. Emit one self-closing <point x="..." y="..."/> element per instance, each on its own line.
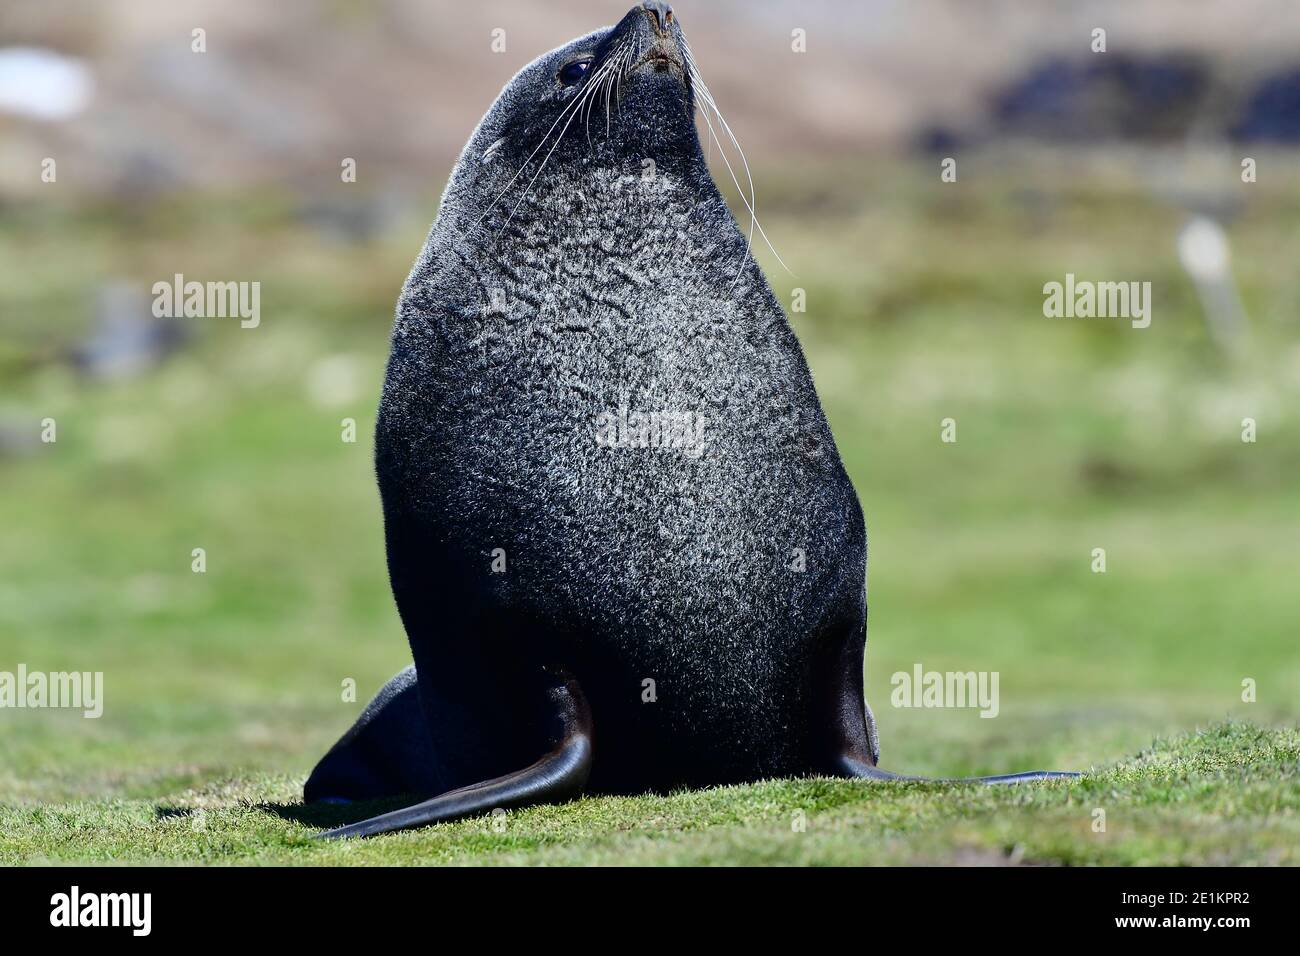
<point x="223" y="688"/>
<point x="1226" y="795"/>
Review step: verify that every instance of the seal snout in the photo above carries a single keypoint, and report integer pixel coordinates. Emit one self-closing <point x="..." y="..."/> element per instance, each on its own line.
<point x="663" y="53"/>
<point x="660" y="14"/>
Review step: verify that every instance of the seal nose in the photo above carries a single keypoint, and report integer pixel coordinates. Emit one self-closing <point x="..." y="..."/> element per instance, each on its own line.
<point x="660" y="14"/>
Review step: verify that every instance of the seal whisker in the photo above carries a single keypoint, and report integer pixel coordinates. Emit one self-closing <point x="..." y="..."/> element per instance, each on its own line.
<point x="609" y="85"/>
<point x="592" y="92"/>
<point x="582" y="98"/>
<point x="618" y="95"/>
<point x="753" y="219"/>
<point x="513" y="179"/>
<point x="628" y="58"/>
<point x="706" y="98"/>
<point x="614" y="89"/>
<point x="752" y="203"/>
<point x="752" y="208"/>
<point x="573" y="105"/>
<point x="615" y="81"/>
<point x="602" y="80"/>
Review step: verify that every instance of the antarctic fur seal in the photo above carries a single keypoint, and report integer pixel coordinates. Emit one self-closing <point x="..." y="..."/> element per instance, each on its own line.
<point x="623" y="545"/>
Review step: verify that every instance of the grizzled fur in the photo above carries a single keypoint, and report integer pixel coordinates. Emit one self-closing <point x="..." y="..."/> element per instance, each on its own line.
<point x="614" y="287"/>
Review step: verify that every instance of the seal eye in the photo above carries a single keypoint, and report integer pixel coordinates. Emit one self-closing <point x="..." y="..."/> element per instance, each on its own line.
<point x="574" y="71"/>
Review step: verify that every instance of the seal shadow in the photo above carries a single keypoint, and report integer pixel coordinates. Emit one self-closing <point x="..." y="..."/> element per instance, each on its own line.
<point x="334" y="814"/>
<point x="308" y="814"/>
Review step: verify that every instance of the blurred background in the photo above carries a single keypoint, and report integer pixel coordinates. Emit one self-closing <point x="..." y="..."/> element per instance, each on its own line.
<point x="924" y="302"/>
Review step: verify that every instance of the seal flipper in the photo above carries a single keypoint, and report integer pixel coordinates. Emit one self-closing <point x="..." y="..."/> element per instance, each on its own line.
<point x="559" y="775"/>
<point x="858" y="751"/>
<point x="386" y="753"/>
<point x="854" y="767"/>
<point x="856" y="761"/>
<point x="851" y="727"/>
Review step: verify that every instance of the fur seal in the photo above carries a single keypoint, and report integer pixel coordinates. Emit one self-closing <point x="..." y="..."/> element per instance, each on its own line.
<point x="620" y="537"/>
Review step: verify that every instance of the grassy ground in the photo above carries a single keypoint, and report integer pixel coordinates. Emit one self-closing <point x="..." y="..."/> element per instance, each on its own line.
<point x="1226" y="795"/>
<point x="222" y="688"/>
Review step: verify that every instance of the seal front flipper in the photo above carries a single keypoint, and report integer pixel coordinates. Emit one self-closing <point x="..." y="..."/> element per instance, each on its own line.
<point x="386" y="753"/>
<point x="559" y="775"/>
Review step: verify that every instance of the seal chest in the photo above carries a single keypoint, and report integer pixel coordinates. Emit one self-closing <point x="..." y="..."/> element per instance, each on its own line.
<point x="636" y="429"/>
